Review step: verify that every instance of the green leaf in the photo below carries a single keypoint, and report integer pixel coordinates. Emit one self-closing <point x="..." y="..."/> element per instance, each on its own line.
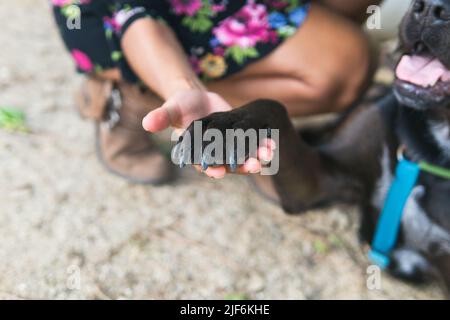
<point x="113" y="8"/>
<point x="240" y="54"/>
<point x="116" y="55"/>
<point x="98" y="68"/>
<point x="237" y="296"/>
<point x="12" y="119"/>
<point x="187" y="21"/>
<point x="205" y="11"/>
<point x="251" y="52"/>
<point x="320" y="246"/>
<point x="197" y="24"/>
<point x="236" y="53"/>
<point x="206" y="8"/>
<point x="335" y="241"/>
<point x="108" y="33"/>
<point x="71" y="11"/>
<point x="293" y="4"/>
<point x="286" y="31"/>
<point x="202" y="25"/>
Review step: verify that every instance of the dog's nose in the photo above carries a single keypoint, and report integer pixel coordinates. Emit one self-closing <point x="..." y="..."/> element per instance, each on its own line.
<point x="431" y="11"/>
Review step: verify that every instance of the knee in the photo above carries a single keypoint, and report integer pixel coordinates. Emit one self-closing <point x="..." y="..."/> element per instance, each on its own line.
<point x="358" y="70"/>
<point x="345" y="75"/>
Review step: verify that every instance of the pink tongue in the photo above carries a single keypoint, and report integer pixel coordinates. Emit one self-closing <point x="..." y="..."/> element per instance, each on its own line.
<point x="422" y="71"/>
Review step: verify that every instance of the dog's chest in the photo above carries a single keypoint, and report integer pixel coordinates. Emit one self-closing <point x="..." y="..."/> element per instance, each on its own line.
<point x="440" y="131"/>
<point x="426" y="203"/>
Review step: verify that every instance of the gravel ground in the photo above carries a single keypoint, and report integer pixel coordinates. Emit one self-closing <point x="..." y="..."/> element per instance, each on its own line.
<point x="70" y="230"/>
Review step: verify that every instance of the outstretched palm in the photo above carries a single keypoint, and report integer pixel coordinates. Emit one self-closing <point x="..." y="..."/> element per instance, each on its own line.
<point x="184" y="108"/>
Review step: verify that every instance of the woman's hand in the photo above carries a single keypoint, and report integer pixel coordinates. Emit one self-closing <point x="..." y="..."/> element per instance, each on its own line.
<point x="170" y="75"/>
<point x="184" y="107"/>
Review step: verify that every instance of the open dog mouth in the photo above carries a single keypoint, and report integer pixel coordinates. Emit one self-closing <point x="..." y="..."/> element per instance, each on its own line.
<point x="422" y="79"/>
<point x="423" y="71"/>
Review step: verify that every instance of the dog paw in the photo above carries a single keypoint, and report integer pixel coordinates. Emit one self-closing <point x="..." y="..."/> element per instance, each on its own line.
<point x="410" y="266"/>
<point x="223" y="139"/>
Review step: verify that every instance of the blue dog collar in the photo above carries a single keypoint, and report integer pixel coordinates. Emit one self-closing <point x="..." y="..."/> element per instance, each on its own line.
<point x="406" y="176"/>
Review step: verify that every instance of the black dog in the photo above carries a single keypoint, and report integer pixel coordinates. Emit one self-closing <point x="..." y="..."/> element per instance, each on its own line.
<point x="355" y="161"/>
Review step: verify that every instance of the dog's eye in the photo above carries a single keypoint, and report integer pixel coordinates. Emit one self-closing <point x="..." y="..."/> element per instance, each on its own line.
<point x="419" y="6"/>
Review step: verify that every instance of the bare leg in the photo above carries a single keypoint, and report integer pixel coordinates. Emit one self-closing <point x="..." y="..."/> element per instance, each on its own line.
<point x="324" y="67"/>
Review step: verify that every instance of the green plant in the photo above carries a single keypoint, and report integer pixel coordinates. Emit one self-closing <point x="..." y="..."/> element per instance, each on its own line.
<point x="12" y="119"/>
<point x="236" y="296"/>
<point x="320" y="246"/>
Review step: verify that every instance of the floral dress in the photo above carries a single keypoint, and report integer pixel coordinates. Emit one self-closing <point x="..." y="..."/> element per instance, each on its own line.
<point x="220" y="37"/>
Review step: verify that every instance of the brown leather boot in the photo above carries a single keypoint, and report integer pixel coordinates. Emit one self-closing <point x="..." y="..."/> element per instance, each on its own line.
<point x="123" y="146"/>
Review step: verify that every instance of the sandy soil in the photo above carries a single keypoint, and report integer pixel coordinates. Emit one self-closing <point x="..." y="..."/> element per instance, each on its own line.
<point x="70" y="230"/>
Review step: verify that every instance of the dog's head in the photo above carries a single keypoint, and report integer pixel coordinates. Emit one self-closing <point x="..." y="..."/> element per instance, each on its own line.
<point x="423" y="74"/>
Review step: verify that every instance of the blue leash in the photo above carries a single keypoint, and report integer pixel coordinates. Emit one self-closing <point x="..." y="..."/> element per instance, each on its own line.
<point x="406" y="176"/>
